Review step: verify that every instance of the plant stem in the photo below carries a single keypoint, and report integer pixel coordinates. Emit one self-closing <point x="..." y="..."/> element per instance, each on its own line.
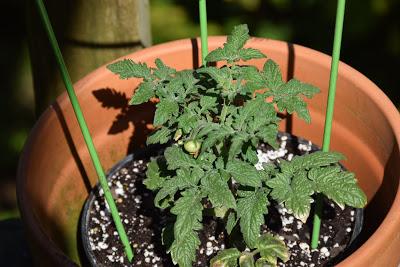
<point x="329" y="110"/>
<point x="203" y="30"/>
<point x="254" y="252"/>
<point x="84" y="129"/>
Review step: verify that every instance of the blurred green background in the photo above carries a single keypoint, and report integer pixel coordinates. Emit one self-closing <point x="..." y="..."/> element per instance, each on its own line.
<point x="371" y="44"/>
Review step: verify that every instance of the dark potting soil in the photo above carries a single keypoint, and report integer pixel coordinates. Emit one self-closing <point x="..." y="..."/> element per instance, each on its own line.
<point x="144" y="222"/>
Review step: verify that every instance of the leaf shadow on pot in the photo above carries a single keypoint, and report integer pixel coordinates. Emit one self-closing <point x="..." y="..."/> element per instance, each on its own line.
<point x="139" y="116"/>
<point x="381" y="203"/>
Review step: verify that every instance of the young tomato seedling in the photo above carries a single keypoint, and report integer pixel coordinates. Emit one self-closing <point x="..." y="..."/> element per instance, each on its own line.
<point x="214" y="119"/>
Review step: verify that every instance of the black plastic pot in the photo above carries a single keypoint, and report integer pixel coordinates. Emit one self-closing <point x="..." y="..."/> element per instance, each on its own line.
<point x="153" y="151"/>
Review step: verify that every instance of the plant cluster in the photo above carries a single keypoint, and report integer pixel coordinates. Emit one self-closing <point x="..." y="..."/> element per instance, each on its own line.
<point x="214" y="118"/>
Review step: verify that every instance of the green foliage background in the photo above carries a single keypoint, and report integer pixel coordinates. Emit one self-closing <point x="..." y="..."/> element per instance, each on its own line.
<point x="371" y="44"/>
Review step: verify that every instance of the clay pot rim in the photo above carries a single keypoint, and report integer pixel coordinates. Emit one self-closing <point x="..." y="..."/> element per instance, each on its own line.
<point x="376" y="240"/>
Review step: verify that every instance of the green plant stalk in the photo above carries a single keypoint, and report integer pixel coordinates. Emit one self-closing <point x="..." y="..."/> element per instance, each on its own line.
<point x="85" y="131"/>
<point x="340" y="11"/>
<point x="203" y="30"/>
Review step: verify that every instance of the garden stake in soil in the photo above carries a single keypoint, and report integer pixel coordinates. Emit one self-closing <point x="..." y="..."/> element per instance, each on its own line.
<point x="84" y="129"/>
<point x="203" y="30"/>
<point x="329" y="110"/>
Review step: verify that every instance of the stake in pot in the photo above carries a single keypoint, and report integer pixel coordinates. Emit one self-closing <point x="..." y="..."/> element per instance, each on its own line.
<point x="84" y="128"/>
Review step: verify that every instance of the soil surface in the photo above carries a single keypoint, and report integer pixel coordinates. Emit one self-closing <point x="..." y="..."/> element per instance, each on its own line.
<point x="144" y="222"/>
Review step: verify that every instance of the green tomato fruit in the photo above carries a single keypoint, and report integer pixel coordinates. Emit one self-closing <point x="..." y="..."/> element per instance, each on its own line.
<point x="192" y="146"/>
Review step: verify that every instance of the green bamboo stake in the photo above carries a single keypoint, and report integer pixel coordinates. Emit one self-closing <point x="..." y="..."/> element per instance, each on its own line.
<point x="329" y="110"/>
<point x="203" y="30"/>
<point x="84" y="129"/>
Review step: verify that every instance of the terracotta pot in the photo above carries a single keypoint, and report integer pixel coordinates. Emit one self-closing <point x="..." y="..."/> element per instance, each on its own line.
<point x="55" y="172"/>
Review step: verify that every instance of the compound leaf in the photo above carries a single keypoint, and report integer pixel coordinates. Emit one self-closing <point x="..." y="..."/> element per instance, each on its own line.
<point x="271" y="248"/>
<point x="168" y="189"/>
<point x="237" y="144"/>
<point x="127" y="68"/>
<point x="208" y="103"/>
<point x="296" y="87"/>
<point x="226" y="258"/>
<point x="233" y="48"/>
<point x="231" y="222"/>
<point x="187" y="121"/>
<point x="221" y="76"/>
<point x="268" y="134"/>
<point x="183" y="250"/>
<point x="244" y="173"/>
<point x="189" y="177"/>
<point x="254" y="79"/>
<point x="219" y="134"/>
<point x="250" y="53"/>
<point x="143" y="93"/>
<point x="160" y="136"/>
<point x="237" y="39"/>
<point x="246" y="260"/>
<point x="315" y="159"/>
<point x="188" y="211"/>
<point x="272" y="75"/>
<point x="216" y="55"/>
<point x="153" y="179"/>
<point x="177" y="158"/>
<point x="165" y="111"/>
<point x="338" y="185"/>
<point x="280" y="185"/>
<point x="163" y="72"/>
<point x="251" y="210"/>
<point x="218" y="191"/>
<point x="251" y="109"/>
<point x="299" y="198"/>
<point x="288" y="97"/>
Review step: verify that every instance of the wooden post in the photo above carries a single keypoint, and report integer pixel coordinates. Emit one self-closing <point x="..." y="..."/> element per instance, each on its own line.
<point x="90" y="33"/>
